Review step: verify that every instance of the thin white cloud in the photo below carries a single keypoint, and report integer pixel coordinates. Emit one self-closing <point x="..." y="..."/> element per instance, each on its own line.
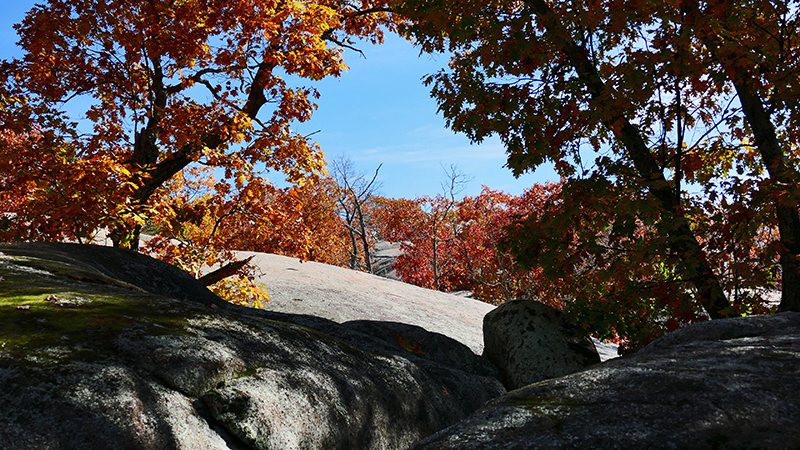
<point x="412" y="153"/>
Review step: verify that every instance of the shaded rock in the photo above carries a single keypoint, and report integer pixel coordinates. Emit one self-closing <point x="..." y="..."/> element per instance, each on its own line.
<point x="723" y="384"/>
<point x="724" y="330"/>
<point x="128" y="369"/>
<point x="528" y="342"/>
<point x="426" y="345"/>
<point x="114" y="266"/>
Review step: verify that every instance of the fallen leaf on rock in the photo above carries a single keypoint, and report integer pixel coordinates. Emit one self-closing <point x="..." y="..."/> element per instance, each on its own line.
<point x="411" y="346"/>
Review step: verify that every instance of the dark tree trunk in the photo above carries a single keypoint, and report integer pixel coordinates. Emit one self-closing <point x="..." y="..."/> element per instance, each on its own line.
<point x="783" y="177"/>
<point x="781" y="174"/>
<point x="362" y="232"/>
<point x="146" y="151"/>
<point x="696" y="265"/>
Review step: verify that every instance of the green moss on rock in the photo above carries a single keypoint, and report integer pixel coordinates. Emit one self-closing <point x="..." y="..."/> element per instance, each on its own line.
<point x="42" y="309"/>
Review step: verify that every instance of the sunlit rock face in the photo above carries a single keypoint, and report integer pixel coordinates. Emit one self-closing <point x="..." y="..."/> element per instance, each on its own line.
<point x="102" y="348"/>
<point x="722" y="384"/>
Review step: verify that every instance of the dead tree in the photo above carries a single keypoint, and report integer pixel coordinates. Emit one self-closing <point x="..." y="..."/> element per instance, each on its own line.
<point x="352" y="194"/>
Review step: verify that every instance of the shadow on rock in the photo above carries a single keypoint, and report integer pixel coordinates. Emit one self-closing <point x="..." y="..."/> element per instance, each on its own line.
<point x="722" y="384"/>
<point x="141" y="364"/>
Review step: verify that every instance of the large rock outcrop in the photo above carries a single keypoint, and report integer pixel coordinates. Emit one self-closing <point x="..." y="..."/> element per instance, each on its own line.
<point x="529" y="341"/>
<point x="102" y="348"/>
<point x="343" y="295"/>
<point x="723" y="384"/>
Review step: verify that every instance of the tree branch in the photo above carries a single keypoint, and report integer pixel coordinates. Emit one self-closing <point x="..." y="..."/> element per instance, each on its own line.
<point x="228" y="270"/>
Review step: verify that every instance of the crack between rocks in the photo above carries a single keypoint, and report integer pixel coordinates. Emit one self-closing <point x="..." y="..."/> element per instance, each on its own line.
<point x="231" y="440"/>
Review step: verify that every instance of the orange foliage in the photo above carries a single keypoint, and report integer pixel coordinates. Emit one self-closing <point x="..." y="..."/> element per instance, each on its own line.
<point x="299" y="221"/>
<point x="158" y="90"/>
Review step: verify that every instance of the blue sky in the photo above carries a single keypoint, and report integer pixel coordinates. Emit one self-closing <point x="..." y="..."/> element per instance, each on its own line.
<point x="380" y="113"/>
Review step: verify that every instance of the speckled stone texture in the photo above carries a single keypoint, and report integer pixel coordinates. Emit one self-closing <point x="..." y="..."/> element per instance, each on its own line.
<point x="722" y="384"/>
<point x="529" y="342"/>
<point x="107" y="349"/>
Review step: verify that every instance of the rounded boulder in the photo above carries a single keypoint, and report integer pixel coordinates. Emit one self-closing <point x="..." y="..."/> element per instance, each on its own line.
<point x="529" y="341"/>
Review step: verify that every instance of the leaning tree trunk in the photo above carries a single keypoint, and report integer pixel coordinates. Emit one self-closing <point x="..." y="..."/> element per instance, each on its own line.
<point x="146" y="150"/>
<point x="781" y="173"/>
<point x="697" y="268"/>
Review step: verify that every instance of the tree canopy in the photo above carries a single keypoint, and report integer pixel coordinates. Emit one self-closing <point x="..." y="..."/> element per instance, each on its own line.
<point x="124" y="114"/>
<point x="674" y="127"/>
<point x="163" y="87"/>
<point x="632" y="102"/>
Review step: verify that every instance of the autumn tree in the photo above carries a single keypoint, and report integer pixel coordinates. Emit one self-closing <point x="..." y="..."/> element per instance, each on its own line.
<point x="427" y="229"/>
<point x="314" y="233"/>
<point x="494" y="274"/>
<point x="353" y="193"/>
<point x="296" y="221"/>
<point x="549" y="77"/>
<point x="113" y="101"/>
<point x="467" y="254"/>
<point x="328" y="232"/>
<point x="441" y="229"/>
<point x="614" y="272"/>
<point x="450" y="243"/>
<point x="398" y="220"/>
<point x="755" y="45"/>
